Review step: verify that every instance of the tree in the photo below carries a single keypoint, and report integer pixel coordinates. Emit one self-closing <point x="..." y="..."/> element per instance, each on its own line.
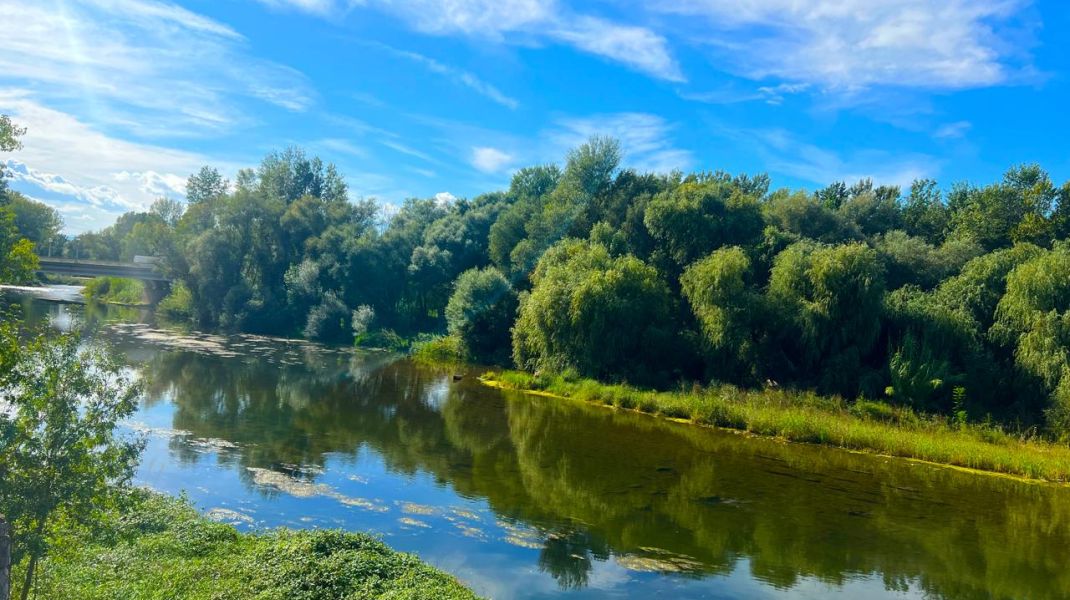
<point x="18" y="263"/>
<point x="805" y="216"/>
<point x="1034" y="317"/>
<point x="205" y="185"/>
<point x="35" y="221"/>
<point x="60" y="453"/>
<point x="696" y="218"/>
<point x="595" y="314"/>
<point x="480" y="313"/>
<point x="829" y="299"/>
<point x="924" y="213"/>
<point x="729" y="311"/>
<point x="9" y="142"/>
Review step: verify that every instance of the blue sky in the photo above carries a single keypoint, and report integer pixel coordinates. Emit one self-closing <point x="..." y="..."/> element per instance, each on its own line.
<point x="125" y="98"/>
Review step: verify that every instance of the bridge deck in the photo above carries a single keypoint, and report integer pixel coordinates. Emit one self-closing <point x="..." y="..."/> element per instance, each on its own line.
<point x="100" y="268"/>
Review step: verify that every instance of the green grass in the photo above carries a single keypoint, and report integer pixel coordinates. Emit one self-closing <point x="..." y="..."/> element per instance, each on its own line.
<point x="161" y="548"/>
<point x="441" y="349"/>
<point x="864" y="425"/>
<point x="115" y="290"/>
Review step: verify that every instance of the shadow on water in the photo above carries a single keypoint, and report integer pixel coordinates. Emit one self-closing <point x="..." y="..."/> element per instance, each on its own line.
<point x="600" y="485"/>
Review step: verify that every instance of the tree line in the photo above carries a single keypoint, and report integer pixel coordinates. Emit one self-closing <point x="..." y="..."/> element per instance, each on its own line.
<point x="949" y="300"/>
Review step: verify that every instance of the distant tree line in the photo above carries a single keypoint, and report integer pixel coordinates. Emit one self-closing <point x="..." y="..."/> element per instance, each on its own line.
<point x="952" y="301"/>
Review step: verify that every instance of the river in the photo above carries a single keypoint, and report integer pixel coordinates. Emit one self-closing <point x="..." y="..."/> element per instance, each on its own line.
<point x="522" y="497"/>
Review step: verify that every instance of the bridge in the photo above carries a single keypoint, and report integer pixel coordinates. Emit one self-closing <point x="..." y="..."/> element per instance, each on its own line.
<point x="145" y="271"/>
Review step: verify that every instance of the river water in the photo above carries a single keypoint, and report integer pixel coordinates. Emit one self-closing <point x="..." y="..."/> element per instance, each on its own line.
<point x="520" y="496"/>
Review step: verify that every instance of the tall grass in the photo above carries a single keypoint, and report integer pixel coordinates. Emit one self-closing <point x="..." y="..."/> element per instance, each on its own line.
<point x="864" y="425"/>
<point x="115" y="290"/>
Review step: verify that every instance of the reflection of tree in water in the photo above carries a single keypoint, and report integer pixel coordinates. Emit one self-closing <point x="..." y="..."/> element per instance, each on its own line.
<point x="598" y="484"/>
<point x="567" y="556"/>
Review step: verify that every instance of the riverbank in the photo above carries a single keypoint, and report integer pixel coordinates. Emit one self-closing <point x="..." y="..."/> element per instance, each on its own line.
<point x="864" y="426"/>
<point x="161" y="547"/>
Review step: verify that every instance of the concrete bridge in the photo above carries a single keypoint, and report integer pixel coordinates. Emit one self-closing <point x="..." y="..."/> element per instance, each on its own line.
<point x="157" y="285"/>
<point x="145" y="271"/>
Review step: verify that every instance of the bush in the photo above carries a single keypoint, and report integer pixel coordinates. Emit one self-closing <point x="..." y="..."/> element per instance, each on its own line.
<point x="161" y="547"/>
<point x="178" y="304"/>
<point x="480" y="313"/>
<point x="438" y="349"/>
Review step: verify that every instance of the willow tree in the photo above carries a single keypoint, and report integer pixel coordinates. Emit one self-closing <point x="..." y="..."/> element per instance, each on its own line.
<point x="829" y="301"/>
<point x="729" y="311"/>
<point x="596" y="314"/>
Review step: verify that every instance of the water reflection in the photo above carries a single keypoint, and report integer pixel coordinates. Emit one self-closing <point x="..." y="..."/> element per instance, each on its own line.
<point x="597" y="484"/>
<point x="597" y="500"/>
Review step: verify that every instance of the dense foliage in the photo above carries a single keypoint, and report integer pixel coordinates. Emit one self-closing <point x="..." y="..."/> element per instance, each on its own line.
<point x="950" y="301"/>
<point x="159" y="547"/>
<point x="24" y="223"/>
<point x="61" y="458"/>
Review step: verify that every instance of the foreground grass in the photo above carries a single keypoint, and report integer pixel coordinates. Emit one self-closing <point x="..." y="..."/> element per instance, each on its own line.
<point x="161" y="548"/>
<point x="806" y="417"/>
<point x="115" y="290"/>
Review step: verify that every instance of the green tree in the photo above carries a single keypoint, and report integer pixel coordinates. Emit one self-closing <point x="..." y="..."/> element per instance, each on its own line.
<point x="594" y="313"/>
<point x="205" y="185"/>
<point x="62" y="457"/>
<point x="696" y="218"/>
<point x="805" y="216"/>
<point x="35" y="221"/>
<point x="9" y="142"/>
<point x="480" y="313"/>
<point x="829" y="299"/>
<point x="1034" y="317"/>
<point x="729" y="310"/>
<point x="18" y="263"/>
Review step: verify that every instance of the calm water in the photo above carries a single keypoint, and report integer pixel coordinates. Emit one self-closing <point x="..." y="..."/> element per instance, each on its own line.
<point x="524" y="497"/>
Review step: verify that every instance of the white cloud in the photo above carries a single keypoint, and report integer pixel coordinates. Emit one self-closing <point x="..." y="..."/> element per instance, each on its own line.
<point x="149" y="66"/>
<point x="853" y="44"/>
<point x="71" y="163"/>
<point x="645" y="139"/>
<point x="636" y="47"/>
<point x="490" y="160"/>
<point x="445" y="198"/>
<point x="520" y="21"/>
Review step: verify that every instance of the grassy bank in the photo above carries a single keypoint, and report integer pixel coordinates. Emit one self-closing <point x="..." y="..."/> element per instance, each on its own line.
<point x="805" y="417"/>
<point x="160" y="547"/>
<point x="115" y="290"/>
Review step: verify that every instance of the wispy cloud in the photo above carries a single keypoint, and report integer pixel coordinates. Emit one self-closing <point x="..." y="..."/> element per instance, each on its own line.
<point x="646" y="139"/>
<point x="783" y="153"/>
<point x="521" y="21"/>
<point x="770" y="94"/>
<point x="459" y="76"/>
<point x="854" y="44"/>
<point x="954" y="130"/>
<point x="130" y="62"/>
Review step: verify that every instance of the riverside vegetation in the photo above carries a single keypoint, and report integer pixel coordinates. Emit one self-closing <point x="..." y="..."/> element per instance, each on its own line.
<point x="81" y="531"/>
<point x="950" y="303"/>
<point x="160" y="547"/>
